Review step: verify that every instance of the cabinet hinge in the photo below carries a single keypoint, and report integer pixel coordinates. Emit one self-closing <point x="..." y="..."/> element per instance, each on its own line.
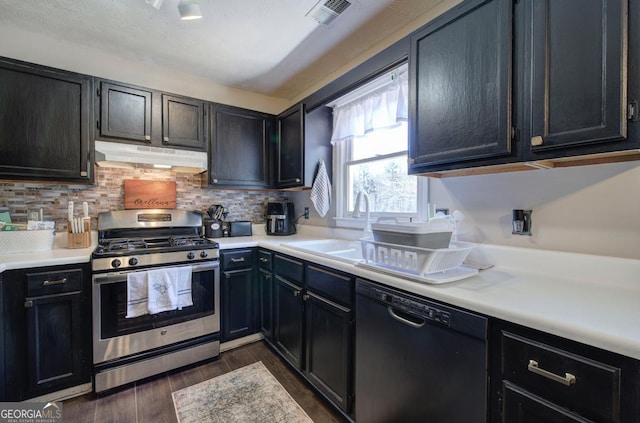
<point x="515" y="134"/>
<point x="98" y="124"/>
<point x="98" y="92"/>
<point x="632" y="111"/>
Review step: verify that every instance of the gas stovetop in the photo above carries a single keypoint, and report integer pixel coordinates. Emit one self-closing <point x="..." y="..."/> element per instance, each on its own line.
<point x="132" y="239"/>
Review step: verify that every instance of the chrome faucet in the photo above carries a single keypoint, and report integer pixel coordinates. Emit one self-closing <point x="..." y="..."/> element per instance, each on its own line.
<point x="356" y="213"/>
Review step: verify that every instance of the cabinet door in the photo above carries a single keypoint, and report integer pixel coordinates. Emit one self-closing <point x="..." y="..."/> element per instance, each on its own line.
<point x="55" y="342"/>
<point x="520" y="406"/>
<point x="290" y="155"/>
<point x="577" y="63"/>
<point x="460" y="86"/>
<point x="329" y="349"/>
<point x="44" y="123"/>
<point x="125" y="112"/>
<point x="237" y="300"/>
<point x="239" y="147"/>
<point x="183" y="122"/>
<point x="265" y="288"/>
<point x="288" y="320"/>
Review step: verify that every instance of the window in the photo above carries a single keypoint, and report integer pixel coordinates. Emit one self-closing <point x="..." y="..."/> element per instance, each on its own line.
<point x="370" y="151"/>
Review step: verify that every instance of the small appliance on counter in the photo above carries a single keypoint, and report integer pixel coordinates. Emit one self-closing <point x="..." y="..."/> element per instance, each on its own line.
<point x="281" y="219"/>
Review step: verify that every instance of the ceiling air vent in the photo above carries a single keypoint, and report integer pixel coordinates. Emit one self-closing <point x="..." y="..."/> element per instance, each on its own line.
<point x="325" y="11"/>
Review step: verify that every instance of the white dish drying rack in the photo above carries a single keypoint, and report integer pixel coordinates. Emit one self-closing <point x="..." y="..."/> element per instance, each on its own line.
<point x="421" y="264"/>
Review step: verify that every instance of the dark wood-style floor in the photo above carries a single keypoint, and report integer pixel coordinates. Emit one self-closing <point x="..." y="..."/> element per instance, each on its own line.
<point x="151" y="401"/>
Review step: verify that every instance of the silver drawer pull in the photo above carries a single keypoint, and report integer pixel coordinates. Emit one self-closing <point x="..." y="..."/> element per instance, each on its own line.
<point x="264" y="260"/>
<point x="56" y="282"/>
<point x="237" y="260"/>
<point x="567" y="380"/>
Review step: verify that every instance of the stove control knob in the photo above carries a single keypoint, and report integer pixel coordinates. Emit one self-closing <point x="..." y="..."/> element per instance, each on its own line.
<point x="133" y="261"/>
<point x="116" y="263"/>
<point x="191" y="256"/>
<point x="203" y="254"/>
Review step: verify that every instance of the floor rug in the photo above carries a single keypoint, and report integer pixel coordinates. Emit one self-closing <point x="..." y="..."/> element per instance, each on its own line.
<point x="248" y="394"/>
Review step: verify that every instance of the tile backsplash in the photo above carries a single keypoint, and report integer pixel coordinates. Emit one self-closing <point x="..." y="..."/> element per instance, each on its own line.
<point x="108" y="194"/>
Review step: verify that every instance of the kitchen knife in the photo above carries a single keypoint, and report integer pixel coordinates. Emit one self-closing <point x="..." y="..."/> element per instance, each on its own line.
<point x="70" y="211"/>
<point x="85" y="209"/>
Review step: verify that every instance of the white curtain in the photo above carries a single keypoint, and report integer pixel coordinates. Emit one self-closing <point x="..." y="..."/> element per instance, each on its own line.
<point x="382" y="108"/>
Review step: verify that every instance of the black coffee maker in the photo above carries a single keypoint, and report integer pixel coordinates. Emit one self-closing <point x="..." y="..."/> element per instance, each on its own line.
<point x="281" y="219"/>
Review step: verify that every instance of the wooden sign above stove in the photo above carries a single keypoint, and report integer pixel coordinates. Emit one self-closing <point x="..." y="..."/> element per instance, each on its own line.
<point x="139" y="194"/>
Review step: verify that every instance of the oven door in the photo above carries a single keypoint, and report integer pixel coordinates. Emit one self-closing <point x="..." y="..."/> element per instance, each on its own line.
<point x="115" y="336"/>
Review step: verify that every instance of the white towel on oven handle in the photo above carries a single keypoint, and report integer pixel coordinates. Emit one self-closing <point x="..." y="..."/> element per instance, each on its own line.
<point x="183" y="282"/>
<point x="137" y="292"/>
<point x="162" y="288"/>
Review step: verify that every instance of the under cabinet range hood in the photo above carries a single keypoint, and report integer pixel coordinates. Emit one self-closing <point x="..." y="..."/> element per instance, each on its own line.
<point x="115" y="154"/>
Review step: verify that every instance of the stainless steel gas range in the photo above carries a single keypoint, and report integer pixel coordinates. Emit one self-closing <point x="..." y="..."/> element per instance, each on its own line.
<point x="138" y="250"/>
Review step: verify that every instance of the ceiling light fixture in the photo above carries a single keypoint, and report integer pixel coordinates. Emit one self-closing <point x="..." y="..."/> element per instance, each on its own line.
<point x="189" y="10"/>
<point x="155" y="3"/>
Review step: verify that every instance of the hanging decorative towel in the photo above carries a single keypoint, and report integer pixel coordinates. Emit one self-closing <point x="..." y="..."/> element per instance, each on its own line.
<point x="321" y="190"/>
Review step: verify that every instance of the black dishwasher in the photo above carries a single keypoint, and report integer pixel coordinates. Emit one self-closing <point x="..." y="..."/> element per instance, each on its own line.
<point x="416" y="360"/>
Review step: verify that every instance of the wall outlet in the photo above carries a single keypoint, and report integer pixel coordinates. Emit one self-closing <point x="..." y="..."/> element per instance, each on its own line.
<point x="306" y="212"/>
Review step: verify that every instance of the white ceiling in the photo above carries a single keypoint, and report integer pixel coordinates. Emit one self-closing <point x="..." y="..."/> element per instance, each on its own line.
<point x="264" y="46"/>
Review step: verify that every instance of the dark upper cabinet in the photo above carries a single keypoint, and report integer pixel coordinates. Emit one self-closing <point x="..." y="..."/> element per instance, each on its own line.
<point x="577" y="65"/>
<point x="125" y="112"/>
<point x="239" y="147"/>
<point x="498" y="82"/>
<point x="183" y="122"/>
<point x="133" y="114"/>
<point x="45" y="123"/>
<point x="303" y="138"/>
<point x="460" y="79"/>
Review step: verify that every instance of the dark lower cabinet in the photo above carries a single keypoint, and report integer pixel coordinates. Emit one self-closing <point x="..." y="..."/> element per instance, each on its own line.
<point x="541" y="378"/>
<point x="329" y="349"/>
<point x="288" y="323"/>
<point x="265" y="294"/>
<point x="238" y="294"/>
<point x="54" y="342"/>
<point x="46" y="328"/>
<point x="521" y="406"/>
<point x="45" y="123"/>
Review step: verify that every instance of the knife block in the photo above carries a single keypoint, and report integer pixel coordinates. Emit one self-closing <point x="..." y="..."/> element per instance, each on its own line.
<point x="82" y="239"/>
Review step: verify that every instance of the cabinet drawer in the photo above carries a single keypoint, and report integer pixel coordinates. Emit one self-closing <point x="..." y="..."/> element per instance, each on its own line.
<point x="332" y="285"/>
<point x="236" y="259"/>
<point x="264" y="259"/>
<point x="48" y="283"/>
<point x="589" y="387"/>
<point x="289" y="268"/>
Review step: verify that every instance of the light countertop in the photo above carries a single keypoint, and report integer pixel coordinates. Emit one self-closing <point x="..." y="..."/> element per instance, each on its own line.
<point x="590" y="299"/>
<point x="59" y="255"/>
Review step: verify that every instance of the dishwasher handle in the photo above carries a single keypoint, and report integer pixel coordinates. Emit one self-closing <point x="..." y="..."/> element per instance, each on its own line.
<point x="406" y="321"/>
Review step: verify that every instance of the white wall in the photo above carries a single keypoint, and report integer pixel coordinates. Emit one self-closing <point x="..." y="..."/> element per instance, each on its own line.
<point x="35" y="48"/>
<point x="590" y="209"/>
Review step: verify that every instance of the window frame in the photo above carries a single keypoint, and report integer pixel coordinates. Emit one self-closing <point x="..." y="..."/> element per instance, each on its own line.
<point x="344" y="216"/>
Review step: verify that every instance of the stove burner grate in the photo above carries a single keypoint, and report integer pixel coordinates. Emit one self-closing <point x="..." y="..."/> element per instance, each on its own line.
<point x="187" y="240"/>
<point x="127" y="244"/>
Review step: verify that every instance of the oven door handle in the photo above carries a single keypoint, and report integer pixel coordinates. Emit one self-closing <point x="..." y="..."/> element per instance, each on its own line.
<point x="122" y="276"/>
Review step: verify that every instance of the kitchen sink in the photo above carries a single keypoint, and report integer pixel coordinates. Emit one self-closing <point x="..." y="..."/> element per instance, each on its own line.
<point x="336" y="249"/>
